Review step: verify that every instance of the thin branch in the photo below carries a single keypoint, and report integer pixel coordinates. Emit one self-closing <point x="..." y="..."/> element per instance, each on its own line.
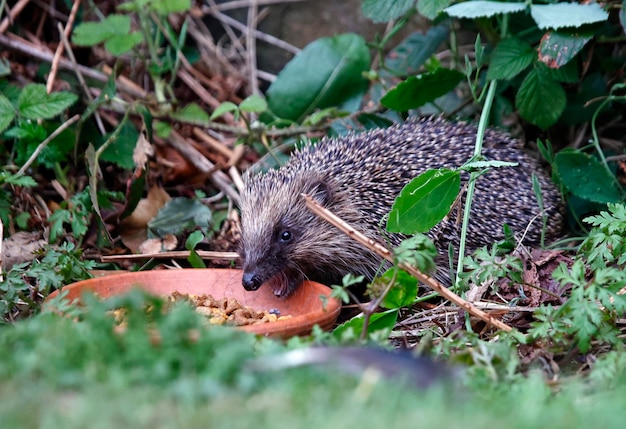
<point x="59" y="52"/>
<point x="44" y="143"/>
<point x="14" y="12"/>
<point x="253" y="79"/>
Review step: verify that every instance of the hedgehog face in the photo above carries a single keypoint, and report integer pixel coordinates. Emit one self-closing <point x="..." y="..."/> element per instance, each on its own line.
<point x="276" y="226"/>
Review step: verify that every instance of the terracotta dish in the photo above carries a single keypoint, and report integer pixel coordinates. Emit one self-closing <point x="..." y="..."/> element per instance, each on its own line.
<point x="305" y="306"/>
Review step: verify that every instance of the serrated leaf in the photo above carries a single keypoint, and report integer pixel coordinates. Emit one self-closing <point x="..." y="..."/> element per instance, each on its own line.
<point x="511" y="57"/>
<point x="410" y="55"/>
<point x="34" y="103"/>
<point x="557" y="49"/>
<point x="325" y="73"/>
<point x="92" y="33"/>
<point x="253" y="104"/>
<point x="223" y="108"/>
<point x="432" y="8"/>
<point x="585" y="177"/>
<point x="424" y="201"/>
<point x="385" y="10"/>
<point x="483" y="9"/>
<point x="540" y="99"/>
<point x="562" y="15"/>
<point x="120" y="44"/>
<point x="7" y="113"/>
<point x="192" y="113"/>
<point x="165" y="7"/>
<point x="419" y="90"/>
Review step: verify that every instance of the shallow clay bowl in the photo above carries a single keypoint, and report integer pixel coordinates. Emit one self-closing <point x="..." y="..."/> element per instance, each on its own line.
<point x="305" y="305"/>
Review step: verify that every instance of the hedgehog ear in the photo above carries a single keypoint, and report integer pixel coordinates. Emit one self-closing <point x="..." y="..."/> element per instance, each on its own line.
<point x="321" y="192"/>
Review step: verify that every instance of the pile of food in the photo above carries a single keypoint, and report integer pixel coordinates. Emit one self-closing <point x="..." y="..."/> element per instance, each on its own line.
<point x="228" y="310"/>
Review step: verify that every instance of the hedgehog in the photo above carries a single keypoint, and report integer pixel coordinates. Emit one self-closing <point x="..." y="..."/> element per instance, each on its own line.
<point x="358" y="176"/>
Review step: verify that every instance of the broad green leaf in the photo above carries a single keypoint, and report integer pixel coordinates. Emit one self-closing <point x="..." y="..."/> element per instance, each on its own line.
<point x="121" y="43"/>
<point x="34" y="103"/>
<point x="378" y="321"/>
<point x="483" y="9"/>
<point x="385" y="10"/>
<point x="424" y="201"/>
<point x="193" y="114"/>
<point x="410" y="55"/>
<point x="325" y="73"/>
<point x="192" y="241"/>
<point x="178" y="215"/>
<point x="622" y="16"/>
<point x="92" y="33"/>
<point x="7" y="113"/>
<point x="169" y="6"/>
<point x="510" y="58"/>
<point x="540" y="99"/>
<point x="225" y="107"/>
<point x="120" y="151"/>
<point x="562" y="15"/>
<point x="585" y="177"/>
<point x="403" y="292"/>
<point x="557" y="49"/>
<point x="253" y="104"/>
<point x="419" y="90"/>
<point x="431" y="8"/>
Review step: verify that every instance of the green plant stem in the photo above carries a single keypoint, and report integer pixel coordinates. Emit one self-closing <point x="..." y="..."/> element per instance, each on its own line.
<point x="482" y="126"/>
<point x="596" y="139"/>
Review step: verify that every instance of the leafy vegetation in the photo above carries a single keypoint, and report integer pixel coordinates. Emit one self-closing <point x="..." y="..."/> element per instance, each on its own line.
<point x="102" y="165"/>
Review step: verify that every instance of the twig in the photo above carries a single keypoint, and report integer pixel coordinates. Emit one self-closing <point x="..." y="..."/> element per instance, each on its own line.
<point x="204" y="254"/>
<point x="253" y="79"/>
<point x="239" y="4"/>
<point x="15" y="10"/>
<point x="385" y="253"/>
<point x="59" y="52"/>
<point x="44" y="143"/>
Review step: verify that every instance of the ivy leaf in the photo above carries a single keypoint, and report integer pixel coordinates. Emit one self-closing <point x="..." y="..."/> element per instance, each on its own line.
<point x="34" y="103"/>
<point x="511" y="57"/>
<point x="326" y="73"/>
<point x="385" y="10"/>
<point x="540" y="99"/>
<point x="419" y="90"/>
<point x="409" y="56"/>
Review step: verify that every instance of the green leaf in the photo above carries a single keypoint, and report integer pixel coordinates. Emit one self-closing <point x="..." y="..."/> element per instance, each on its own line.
<point x="325" y="73"/>
<point x="7" y="113"/>
<point x="424" y="201"/>
<point x="404" y="290"/>
<point x="481" y="165"/>
<point x="378" y="321"/>
<point x="585" y="177"/>
<point x="178" y="215"/>
<point x="34" y="103"/>
<point x="557" y="49"/>
<point x="192" y="241"/>
<point x="419" y="90"/>
<point x="561" y="15"/>
<point x="385" y="10"/>
<point x="410" y="55"/>
<point x="483" y="9"/>
<point x="121" y="150"/>
<point x="121" y="43"/>
<point x="165" y="7"/>
<point x="5" y="67"/>
<point x="253" y="104"/>
<point x="92" y="33"/>
<point x="431" y="8"/>
<point x="540" y="99"/>
<point x="192" y="113"/>
<point x="223" y="108"/>
<point x="511" y="57"/>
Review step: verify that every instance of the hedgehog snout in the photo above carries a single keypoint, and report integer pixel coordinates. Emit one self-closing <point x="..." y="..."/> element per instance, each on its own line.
<point x="251" y="281"/>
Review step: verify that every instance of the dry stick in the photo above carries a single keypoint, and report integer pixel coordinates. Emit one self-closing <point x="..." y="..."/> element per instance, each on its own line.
<point x="59" y="52"/>
<point x="15" y="10"/>
<point x="253" y="79"/>
<point x="239" y="4"/>
<point x="204" y="254"/>
<point x="383" y="252"/>
<point x="44" y="143"/>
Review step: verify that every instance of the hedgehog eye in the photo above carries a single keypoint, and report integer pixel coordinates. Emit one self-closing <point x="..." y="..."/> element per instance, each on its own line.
<point x="285" y="236"/>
